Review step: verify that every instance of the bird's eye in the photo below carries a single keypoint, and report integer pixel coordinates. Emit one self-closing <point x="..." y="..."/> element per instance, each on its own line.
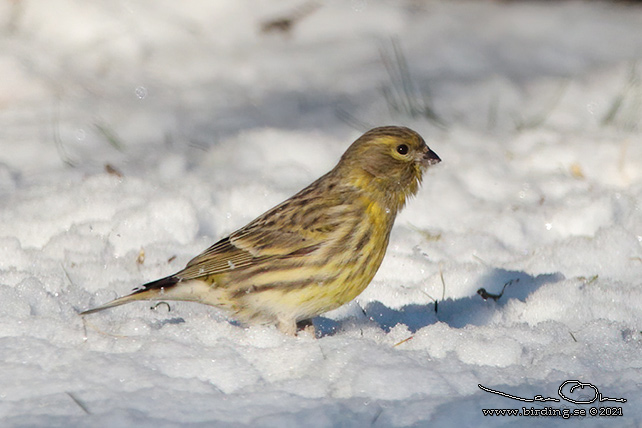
<point x="402" y="149"/>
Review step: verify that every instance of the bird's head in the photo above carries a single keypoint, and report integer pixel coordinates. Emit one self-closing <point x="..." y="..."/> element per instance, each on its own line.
<point x="389" y="162"/>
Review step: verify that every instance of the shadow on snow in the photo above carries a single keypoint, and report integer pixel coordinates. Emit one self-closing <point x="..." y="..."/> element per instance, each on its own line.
<point x="456" y="313"/>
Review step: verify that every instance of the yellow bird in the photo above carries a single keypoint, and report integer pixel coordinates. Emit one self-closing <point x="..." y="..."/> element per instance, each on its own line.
<point x="313" y="252"/>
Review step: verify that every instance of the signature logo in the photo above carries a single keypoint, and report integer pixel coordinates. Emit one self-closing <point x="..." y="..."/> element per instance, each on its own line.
<point x="566" y="388"/>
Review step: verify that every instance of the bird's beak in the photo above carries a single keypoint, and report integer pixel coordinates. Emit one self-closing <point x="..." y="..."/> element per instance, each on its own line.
<point x="430" y="157"/>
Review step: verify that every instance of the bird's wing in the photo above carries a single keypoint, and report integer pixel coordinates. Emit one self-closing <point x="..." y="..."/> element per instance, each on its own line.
<point x="297" y="227"/>
<point x="219" y="258"/>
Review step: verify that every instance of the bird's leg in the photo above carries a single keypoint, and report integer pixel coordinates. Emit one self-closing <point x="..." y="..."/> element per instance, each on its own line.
<point x="287" y="326"/>
<point x="306" y="326"/>
<point x="290" y="327"/>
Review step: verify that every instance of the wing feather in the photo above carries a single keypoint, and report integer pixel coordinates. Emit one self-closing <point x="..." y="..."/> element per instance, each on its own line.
<point x="219" y="258"/>
<point x="295" y="228"/>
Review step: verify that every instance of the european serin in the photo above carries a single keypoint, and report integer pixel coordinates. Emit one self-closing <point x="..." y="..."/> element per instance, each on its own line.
<point x="314" y="252"/>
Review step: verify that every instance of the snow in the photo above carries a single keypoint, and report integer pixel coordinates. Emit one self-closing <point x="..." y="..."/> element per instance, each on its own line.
<point x="205" y="121"/>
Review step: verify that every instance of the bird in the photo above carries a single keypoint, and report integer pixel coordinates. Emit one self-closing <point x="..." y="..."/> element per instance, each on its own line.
<point x="312" y="253"/>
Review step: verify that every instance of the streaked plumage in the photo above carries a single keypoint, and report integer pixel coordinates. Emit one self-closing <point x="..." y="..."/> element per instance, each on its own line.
<point x="313" y="252"/>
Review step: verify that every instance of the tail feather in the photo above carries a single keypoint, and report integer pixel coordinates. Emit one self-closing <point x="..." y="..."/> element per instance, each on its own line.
<point x="147" y="291"/>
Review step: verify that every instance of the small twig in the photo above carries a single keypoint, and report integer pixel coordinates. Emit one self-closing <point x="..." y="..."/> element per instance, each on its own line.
<point x="428" y="236"/>
<point x="443" y="283"/>
<point x="110" y="169"/>
<point x="486" y="295"/>
<point x="403" y="341"/>
<point x="66" y="274"/>
<point x="99" y="331"/>
<point x="588" y="280"/>
<point x="155" y="307"/>
<point x="286" y="23"/>
<point x="443" y="296"/>
<point x="480" y="260"/>
<point x="365" y="314"/>
<point x="376" y="416"/>
<point x="443" y="290"/>
<point x="85" y="336"/>
<point x="401" y="95"/>
<point x="78" y="402"/>
<point x="352" y="121"/>
<point x="618" y="101"/>
<point x="110" y="135"/>
<point x="429" y="296"/>
<point x="60" y="147"/>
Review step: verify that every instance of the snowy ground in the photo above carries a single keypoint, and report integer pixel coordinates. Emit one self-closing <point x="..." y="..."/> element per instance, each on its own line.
<point x="207" y="115"/>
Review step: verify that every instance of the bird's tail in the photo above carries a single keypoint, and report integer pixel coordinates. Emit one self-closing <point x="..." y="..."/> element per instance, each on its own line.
<point x="151" y="291"/>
